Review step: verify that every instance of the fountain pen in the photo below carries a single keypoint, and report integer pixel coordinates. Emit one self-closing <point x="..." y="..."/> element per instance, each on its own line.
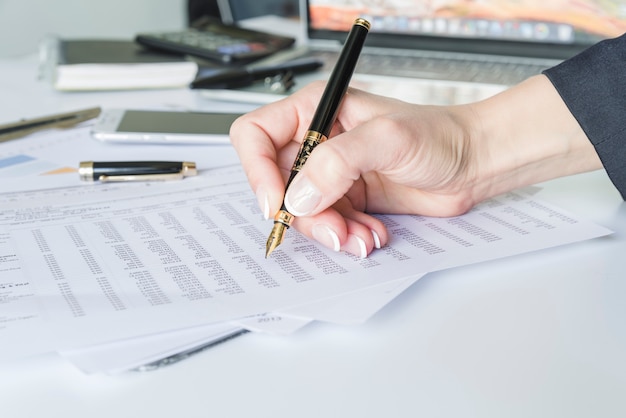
<point x="323" y="120"/>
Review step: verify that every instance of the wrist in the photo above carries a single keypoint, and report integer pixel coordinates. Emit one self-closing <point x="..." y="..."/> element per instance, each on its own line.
<point x="526" y="135"/>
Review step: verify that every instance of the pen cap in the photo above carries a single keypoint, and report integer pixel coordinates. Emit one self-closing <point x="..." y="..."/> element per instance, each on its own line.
<point x="135" y="170"/>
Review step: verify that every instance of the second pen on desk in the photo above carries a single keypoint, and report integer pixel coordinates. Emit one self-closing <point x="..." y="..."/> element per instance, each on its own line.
<point x="135" y="170"/>
<point x="323" y="120"/>
<point x="241" y="77"/>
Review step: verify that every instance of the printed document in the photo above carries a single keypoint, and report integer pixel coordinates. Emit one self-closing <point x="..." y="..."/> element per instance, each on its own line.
<point x="106" y="264"/>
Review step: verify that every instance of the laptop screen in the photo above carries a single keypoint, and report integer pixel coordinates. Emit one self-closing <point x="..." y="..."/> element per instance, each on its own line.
<point x="546" y="28"/>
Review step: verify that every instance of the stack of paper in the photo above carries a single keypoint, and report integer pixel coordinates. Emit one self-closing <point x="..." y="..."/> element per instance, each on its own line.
<point x="116" y="277"/>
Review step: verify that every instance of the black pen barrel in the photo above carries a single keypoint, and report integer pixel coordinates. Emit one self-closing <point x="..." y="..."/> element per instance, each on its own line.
<point x="118" y="168"/>
<point x="339" y="79"/>
<point x="232" y="78"/>
<point x="241" y="77"/>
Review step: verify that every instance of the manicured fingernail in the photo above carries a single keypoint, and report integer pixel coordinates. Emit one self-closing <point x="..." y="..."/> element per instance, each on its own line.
<point x="302" y="196"/>
<point x="326" y="236"/>
<point x="376" y="239"/>
<point x="355" y="245"/>
<point x="264" y="202"/>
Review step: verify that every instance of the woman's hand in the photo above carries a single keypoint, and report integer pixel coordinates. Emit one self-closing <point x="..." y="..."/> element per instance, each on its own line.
<point x="388" y="156"/>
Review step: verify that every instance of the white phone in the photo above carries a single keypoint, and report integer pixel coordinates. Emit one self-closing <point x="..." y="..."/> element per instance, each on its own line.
<point x="163" y="127"/>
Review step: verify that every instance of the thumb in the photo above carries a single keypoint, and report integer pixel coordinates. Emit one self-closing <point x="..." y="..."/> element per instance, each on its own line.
<point x="333" y="168"/>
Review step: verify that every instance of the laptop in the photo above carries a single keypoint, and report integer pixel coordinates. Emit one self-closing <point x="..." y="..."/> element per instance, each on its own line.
<point x="456" y="51"/>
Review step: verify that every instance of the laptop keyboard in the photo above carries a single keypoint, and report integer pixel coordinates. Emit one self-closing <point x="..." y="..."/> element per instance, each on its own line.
<point x="492" y="70"/>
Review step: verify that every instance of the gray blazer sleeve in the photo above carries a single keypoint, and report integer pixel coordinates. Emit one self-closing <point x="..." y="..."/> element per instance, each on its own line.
<point x="593" y="86"/>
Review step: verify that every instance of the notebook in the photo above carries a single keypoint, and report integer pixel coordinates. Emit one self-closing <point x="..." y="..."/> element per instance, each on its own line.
<point x="111" y="64"/>
<point x="454" y="51"/>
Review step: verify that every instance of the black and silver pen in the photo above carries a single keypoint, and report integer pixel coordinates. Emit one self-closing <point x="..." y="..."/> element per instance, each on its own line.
<point x="135" y="170"/>
<point x="241" y="77"/>
<point x="323" y="120"/>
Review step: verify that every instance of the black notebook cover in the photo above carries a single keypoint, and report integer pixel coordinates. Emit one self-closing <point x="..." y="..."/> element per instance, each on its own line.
<point x="110" y="52"/>
<point x="101" y="64"/>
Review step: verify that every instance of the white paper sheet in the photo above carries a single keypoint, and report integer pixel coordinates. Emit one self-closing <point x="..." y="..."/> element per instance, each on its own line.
<point x="38" y="163"/>
<point x="124" y="355"/>
<point x="190" y="254"/>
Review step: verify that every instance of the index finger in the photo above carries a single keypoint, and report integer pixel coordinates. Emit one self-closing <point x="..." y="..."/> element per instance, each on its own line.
<point x="267" y="140"/>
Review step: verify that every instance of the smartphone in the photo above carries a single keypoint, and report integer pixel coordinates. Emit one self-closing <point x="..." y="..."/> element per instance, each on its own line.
<point x="163" y="127"/>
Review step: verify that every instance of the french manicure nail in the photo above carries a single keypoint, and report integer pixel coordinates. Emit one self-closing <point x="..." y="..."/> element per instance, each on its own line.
<point x="302" y="196"/>
<point x="376" y="239"/>
<point x="326" y="236"/>
<point x="355" y="245"/>
<point x="264" y="202"/>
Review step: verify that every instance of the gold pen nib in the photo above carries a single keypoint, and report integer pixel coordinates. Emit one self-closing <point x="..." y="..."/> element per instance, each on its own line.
<point x="275" y="239"/>
<point x="282" y="221"/>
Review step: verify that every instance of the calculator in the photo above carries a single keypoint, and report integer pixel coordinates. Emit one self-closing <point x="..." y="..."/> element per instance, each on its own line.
<point x="216" y="41"/>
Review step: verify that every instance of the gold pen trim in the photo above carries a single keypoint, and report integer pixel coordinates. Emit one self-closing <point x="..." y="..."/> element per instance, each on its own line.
<point x="85" y="170"/>
<point x="362" y="22"/>
<point x="310" y="141"/>
<point x="284" y="218"/>
<point x="189" y="169"/>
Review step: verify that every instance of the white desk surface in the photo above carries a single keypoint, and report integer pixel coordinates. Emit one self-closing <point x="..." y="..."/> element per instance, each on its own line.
<point x="536" y="335"/>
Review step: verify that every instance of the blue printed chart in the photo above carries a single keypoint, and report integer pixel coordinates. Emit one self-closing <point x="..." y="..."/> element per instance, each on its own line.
<point x="21" y="165"/>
